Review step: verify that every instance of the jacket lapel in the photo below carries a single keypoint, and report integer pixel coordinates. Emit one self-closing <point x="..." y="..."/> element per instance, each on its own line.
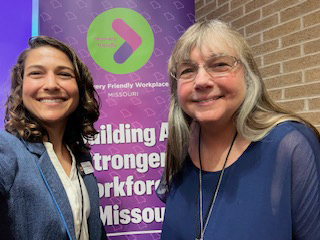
<point x="53" y="182"/>
<point x="94" y="222"/>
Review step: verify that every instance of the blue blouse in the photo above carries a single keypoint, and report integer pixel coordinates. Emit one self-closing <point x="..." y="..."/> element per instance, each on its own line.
<point x="271" y="192"/>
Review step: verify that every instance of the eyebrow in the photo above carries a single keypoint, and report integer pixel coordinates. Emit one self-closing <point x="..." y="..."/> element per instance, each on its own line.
<point x="218" y="55"/>
<point x="65" y="67"/>
<point x="188" y="60"/>
<point x="42" y="67"/>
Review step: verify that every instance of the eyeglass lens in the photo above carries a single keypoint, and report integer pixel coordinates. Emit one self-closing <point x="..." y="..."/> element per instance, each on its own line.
<point x="214" y="66"/>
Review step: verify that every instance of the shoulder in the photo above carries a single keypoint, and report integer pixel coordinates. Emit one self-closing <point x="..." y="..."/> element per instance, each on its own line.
<point x="291" y="140"/>
<point x="9" y="147"/>
<point x="8" y="140"/>
<point x="12" y="143"/>
<point x="15" y="151"/>
<point x="292" y="132"/>
<point x="6" y="135"/>
<point x="287" y="127"/>
<point x="296" y="142"/>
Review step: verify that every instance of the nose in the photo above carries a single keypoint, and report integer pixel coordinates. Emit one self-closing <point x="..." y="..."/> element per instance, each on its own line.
<point x="203" y="80"/>
<point x="51" y="82"/>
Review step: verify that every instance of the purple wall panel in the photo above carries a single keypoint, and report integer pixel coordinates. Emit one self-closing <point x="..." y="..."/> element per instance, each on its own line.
<point x="136" y="101"/>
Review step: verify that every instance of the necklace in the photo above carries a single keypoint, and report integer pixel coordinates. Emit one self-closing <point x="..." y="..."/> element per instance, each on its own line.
<point x="204" y="222"/>
<point x="82" y="208"/>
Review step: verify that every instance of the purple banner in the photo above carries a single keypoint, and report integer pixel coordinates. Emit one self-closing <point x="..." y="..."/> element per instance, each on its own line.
<point x="126" y="45"/>
<point x="15" y="29"/>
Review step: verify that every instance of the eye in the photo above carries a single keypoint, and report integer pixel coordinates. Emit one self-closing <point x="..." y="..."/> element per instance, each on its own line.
<point x="185" y="71"/>
<point x="65" y="75"/>
<point x="220" y="64"/>
<point x="35" y="74"/>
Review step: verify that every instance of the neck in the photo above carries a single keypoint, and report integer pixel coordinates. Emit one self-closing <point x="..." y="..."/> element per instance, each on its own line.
<point x="215" y="143"/>
<point x="55" y="136"/>
<point x="217" y="136"/>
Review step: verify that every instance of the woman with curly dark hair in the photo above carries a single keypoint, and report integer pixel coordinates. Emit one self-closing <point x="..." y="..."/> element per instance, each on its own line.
<point x="47" y="186"/>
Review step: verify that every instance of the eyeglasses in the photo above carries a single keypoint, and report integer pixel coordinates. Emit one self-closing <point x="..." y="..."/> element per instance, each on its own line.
<point x="218" y="65"/>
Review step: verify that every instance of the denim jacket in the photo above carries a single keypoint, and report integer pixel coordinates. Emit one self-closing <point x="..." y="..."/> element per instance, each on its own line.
<point x="33" y="201"/>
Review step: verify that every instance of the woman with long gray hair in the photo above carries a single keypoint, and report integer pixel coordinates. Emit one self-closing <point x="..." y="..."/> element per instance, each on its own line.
<point x="238" y="166"/>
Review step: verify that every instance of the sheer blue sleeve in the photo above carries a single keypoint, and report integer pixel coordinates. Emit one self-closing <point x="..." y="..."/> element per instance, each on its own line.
<point x="304" y="149"/>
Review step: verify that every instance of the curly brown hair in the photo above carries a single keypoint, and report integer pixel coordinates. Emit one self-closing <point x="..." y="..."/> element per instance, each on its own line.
<point x="21" y="123"/>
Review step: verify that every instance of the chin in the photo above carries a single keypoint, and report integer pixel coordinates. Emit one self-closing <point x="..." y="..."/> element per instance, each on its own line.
<point x="52" y="120"/>
<point x="208" y="118"/>
<point x="207" y="121"/>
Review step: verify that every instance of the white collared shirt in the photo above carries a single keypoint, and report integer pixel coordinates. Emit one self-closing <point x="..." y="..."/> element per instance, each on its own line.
<point x="72" y="188"/>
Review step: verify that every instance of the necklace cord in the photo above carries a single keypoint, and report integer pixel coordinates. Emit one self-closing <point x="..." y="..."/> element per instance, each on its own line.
<point x="213" y="199"/>
<point x="82" y="208"/>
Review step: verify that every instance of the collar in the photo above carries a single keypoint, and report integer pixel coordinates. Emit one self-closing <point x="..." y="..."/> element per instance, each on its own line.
<point x="36" y="148"/>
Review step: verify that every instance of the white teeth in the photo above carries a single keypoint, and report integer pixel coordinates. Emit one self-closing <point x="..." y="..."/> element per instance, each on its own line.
<point x="208" y="100"/>
<point x="51" y="100"/>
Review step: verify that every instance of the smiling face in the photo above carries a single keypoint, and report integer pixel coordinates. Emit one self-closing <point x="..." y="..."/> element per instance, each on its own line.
<point x="50" y="91"/>
<point x="212" y="99"/>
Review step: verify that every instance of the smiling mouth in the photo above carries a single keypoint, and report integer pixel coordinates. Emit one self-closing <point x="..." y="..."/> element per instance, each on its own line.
<point x="207" y="99"/>
<point x="47" y="100"/>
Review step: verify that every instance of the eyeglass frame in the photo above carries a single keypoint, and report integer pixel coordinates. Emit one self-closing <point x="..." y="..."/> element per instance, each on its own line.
<point x="236" y="62"/>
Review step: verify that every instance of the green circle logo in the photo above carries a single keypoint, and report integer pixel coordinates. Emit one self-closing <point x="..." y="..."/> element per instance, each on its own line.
<point x="120" y="40"/>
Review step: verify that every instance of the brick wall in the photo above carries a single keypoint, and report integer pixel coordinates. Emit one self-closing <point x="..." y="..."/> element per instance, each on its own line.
<point x="285" y="38"/>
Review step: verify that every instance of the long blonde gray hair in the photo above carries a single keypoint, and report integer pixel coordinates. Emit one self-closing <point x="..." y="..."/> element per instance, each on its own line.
<point x="256" y="116"/>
